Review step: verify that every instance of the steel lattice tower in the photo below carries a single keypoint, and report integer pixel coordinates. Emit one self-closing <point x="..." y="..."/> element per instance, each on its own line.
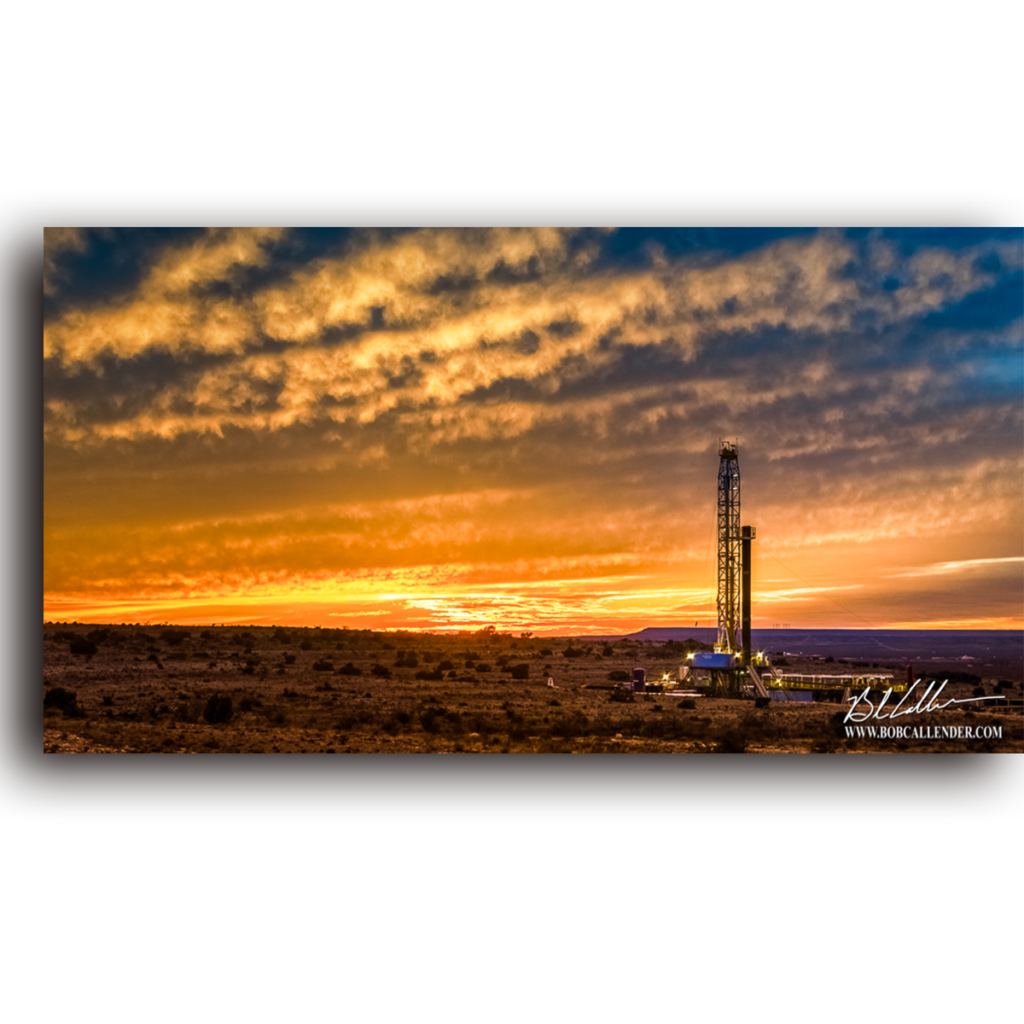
<point x="729" y="562"/>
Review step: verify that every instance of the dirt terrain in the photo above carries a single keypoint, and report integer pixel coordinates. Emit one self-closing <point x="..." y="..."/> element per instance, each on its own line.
<point x="150" y="689"/>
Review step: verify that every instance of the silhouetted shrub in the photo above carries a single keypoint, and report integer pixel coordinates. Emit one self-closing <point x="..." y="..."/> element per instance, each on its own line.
<point x="953" y="677"/>
<point x="574" y="652"/>
<point x="306" y="645"/>
<point x="289" y="659"/>
<point x="483" y="667"/>
<point x="569" y="726"/>
<point x="732" y="742"/>
<point x="82" y="646"/>
<point x="348" y="669"/>
<point x="323" y="666"/>
<point x="688" y="704"/>
<point x="446" y="666"/>
<point x="619" y="676"/>
<point x="173" y="637"/>
<point x="430" y="674"/>
<point x="381" y="670"/>
<point x="621" y="697"/>
<point x="187" y="711"/>
<point x="281" y="636"/>
<point x="979" y="691"/>
<point x="98" y="636"/>
<point x="521" y="671"/>
<point x="838" y="722"/>
<point x="407" y="661"/>
<point x="218" y="709"/>
<point x="63" y="700"/>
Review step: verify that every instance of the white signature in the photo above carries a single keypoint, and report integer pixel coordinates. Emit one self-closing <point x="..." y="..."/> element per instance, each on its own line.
<point x="926" y="702"/>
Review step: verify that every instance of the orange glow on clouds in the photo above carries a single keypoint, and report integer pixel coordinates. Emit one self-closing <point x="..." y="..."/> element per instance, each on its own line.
<point x="443" y="429"/>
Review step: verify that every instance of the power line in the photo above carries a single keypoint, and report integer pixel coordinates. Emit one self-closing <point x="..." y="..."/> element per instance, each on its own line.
<point x="849" y="611"/>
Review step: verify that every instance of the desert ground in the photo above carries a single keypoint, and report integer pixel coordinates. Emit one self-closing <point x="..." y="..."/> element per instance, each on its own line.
<point x="265" y="689"/>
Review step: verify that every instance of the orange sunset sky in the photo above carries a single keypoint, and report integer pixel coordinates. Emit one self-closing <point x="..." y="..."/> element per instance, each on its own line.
<point x="451" y="428"/>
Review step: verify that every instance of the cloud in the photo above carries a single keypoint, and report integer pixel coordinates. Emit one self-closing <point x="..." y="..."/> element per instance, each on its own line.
<point x="967" y="565"/>
<point x="165" y="313"/>
<point x="55" y="242"/>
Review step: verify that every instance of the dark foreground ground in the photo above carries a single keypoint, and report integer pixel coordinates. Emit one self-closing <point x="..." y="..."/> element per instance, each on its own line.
<point x="260" y="689"/>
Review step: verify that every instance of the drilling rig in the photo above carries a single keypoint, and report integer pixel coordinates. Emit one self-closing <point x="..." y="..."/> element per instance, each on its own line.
<point x="732" y="670"/>
<point x="730" y="665"/>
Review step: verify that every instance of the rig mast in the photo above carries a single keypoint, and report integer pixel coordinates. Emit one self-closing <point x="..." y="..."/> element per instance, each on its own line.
<point x="732" y="661"/>
<point x="729" y="561"/>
